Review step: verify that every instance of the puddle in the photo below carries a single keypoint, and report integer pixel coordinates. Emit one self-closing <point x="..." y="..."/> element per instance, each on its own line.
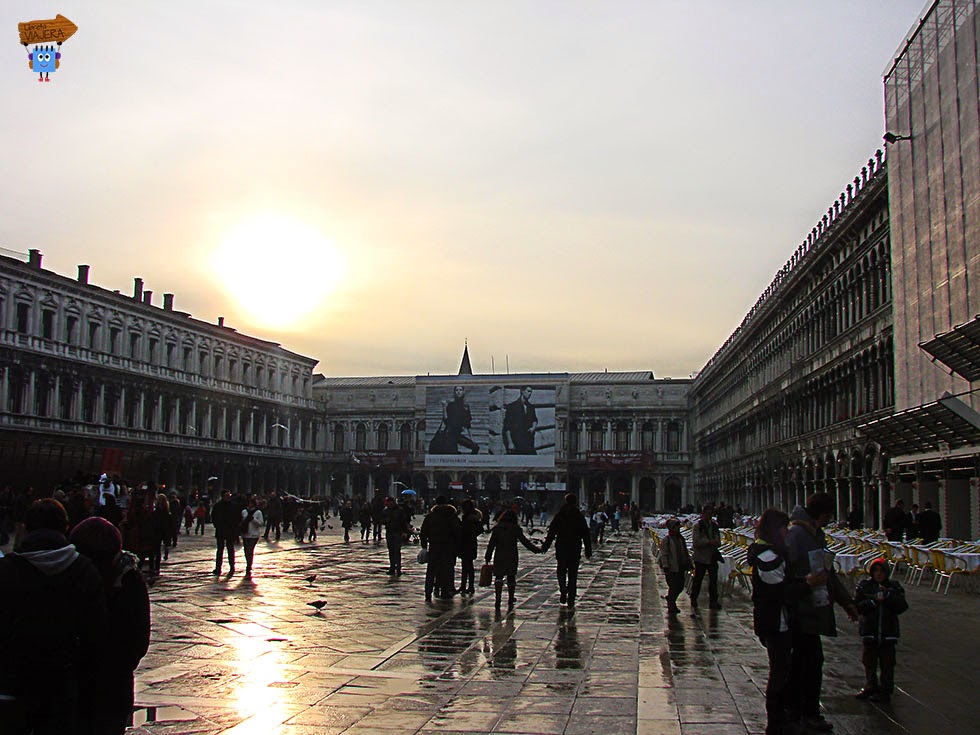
<point x="165" y="713"/>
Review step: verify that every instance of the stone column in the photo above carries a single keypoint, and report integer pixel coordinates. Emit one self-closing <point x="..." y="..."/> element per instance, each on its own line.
<point x="634" y="487"/>
<point x="30" y="404"/>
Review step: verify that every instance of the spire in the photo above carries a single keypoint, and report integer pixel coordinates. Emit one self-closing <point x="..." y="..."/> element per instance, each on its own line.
<point x="464" y="366"/>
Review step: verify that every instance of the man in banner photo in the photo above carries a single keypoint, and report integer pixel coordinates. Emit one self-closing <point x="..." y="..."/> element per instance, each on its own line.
<point x="520" y="423"/>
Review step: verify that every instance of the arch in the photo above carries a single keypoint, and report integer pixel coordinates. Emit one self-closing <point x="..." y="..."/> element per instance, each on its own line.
<point x="673" y="494"/>
<point x="648" y="494"/>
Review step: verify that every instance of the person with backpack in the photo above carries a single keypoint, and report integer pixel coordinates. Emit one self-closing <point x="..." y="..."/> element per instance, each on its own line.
<point x="53" y="626"/>
<point x="252" y="525"/>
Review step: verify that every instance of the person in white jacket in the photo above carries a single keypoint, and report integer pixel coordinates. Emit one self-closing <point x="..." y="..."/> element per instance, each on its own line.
<point x="253" y="525"/>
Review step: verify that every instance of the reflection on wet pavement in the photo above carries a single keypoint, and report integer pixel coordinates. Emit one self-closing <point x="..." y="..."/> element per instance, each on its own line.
<point x="250" y="658"/>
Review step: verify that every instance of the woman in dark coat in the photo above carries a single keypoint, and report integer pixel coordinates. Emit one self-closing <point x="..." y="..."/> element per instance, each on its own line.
<point x="108" y="711"/>
<point x="502" y="550"/>
<point x="773" y="592"/>
<point x="472" y="527"/>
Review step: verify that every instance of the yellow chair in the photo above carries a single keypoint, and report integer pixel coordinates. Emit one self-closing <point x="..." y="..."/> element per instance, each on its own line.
<point x="944" y="568"/>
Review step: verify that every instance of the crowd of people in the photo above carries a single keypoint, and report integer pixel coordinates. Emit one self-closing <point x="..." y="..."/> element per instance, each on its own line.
<point x="794" y="592"/>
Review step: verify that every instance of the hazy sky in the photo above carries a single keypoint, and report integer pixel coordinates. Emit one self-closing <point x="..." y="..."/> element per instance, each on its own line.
<point x="575" y="185"/>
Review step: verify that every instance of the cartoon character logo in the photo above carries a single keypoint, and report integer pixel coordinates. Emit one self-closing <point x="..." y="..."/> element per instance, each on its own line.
<point x="44" y="60"/>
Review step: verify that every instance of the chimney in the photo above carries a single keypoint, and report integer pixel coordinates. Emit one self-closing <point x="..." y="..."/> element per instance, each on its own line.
<point x="137" y="288"/>
<point x="221" y="321"/>
<point x="148" y="297"/>
<point x="168" y="302"/>
<point x="83" y="274"/>
<point x="34" y="258"/>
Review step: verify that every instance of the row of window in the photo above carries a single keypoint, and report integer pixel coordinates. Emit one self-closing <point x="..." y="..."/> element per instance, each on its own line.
<point x="115" y="405"/>
<point x="151" y="349"/>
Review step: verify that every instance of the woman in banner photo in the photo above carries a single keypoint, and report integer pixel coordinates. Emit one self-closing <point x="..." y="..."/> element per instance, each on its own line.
<point x="457" y="421"/>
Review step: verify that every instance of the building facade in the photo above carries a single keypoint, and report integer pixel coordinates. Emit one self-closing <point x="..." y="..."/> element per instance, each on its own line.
<point x="95" y="381"/>
<point x="775" y="411"/>
<point x="621" y="437"/>
<point x="932" y="110"/>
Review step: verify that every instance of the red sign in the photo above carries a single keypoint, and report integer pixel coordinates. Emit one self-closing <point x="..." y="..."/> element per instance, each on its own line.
<point x="112" y="461"/>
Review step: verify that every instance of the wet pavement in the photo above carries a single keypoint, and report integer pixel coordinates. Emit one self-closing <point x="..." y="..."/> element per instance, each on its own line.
<point x="238" y="657"/>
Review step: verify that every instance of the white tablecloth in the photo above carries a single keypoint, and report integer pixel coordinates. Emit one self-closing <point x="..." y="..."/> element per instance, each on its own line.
<point x="849" y="563"/>
<point x="968" y="562"/>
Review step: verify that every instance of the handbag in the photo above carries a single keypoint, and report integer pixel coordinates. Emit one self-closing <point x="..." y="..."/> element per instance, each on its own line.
<point x="423" y="556"/>
<point x="486" y="575"/>
<point x="441" y="443"/>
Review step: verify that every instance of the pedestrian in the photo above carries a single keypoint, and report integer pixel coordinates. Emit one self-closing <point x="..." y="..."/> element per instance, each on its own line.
<point x="364" y="516"/>
<point x="227" y="522"/>
<point x="188" y="519"/>
<point x="176" y="516"/>
<point x="880" y="601"/>
<point x="395" y="519"/>
<point x="377" y="514"/>
<point x="128" y="604"/>
<point x="635" y="517"/>
<point x="162" y="531"/>
<point x="705" y="540"/>
<point x="253" y="523"/>
<point x="772" y="595"/>
<point x="110" y="511"/>
<point x="599" y="519"/>
<point x="273" y="516"/>
<point x="471" y="526"/>
<point x="912" y="522"/>
<point x="930" y="524"/>
<point x="569" y="533"/>
<point x="200" y="515"/>
<point x="502" y="551"/>
<point x="895" y="521"/>
<point x="675" y="561"/>
<point x="53" y="627"/>
<point x="440" y="535"/>
<point x="300" y="522"/>
<point x="807" y="560"/>
<point x="347" y="519"/>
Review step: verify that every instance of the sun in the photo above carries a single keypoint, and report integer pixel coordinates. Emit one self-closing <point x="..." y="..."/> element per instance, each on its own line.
<point x="276" y="269"/>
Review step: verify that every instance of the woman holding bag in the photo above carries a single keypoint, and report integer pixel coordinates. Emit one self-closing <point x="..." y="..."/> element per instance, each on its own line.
<point x="502" y="552"/>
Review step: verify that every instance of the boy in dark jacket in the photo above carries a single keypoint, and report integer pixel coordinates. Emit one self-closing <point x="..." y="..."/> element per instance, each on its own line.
<point x="880" y="601"/>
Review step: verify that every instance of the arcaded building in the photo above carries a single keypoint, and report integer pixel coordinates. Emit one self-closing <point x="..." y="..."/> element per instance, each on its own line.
<point x="775" y="411"/>
<point x="92" y="380"/>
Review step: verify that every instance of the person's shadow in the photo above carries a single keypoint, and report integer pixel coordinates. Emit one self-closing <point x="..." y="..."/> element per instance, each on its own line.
<point x="568" y="647"/>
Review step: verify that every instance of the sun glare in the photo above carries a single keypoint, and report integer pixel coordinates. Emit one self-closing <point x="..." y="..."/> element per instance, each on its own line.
<point x="276" y="269"/>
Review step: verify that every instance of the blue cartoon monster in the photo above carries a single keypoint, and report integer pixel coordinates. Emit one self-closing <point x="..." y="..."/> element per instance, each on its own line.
<point x="44" y="60"/>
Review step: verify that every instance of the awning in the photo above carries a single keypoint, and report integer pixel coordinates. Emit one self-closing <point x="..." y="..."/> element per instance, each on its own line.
<point x="958" y="349"/>
<point x="940" y="427"/>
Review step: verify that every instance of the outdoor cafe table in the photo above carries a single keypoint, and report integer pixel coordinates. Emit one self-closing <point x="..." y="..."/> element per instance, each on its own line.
<point x="968" y="562"/>
<point x="849" y="563"/>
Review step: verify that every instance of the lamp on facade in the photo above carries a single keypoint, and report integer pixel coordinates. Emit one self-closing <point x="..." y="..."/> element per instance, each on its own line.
<point x="893" y="138"/>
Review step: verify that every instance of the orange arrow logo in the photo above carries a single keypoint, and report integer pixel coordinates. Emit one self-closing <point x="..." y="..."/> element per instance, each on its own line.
<point x="55" y="30"/>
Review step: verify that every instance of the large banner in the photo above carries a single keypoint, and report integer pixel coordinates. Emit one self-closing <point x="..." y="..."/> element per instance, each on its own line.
<point x="489" y="424"/>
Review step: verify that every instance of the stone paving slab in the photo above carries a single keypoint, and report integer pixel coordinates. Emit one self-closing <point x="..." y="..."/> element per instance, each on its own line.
<point x="242" y="657"/>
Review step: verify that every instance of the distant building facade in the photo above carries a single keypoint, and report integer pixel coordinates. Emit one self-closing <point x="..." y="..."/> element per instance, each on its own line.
<point x="95" y="381"/>
<point x="621" y="437"/>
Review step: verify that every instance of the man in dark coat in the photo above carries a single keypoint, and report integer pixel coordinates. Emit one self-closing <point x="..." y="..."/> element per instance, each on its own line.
<point x="930" y="524"/>
<point x="53" y="623"/>
<point x="569" y="532"/>
<point x="440" y="534"/>
<point x="813" y="614"/>
<point x="396" y="524"/>
<point x="520" y="424"/>
<point x="895" y="521"/>
<point x="273" y="516"/>
<point x="227" y="520"/>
